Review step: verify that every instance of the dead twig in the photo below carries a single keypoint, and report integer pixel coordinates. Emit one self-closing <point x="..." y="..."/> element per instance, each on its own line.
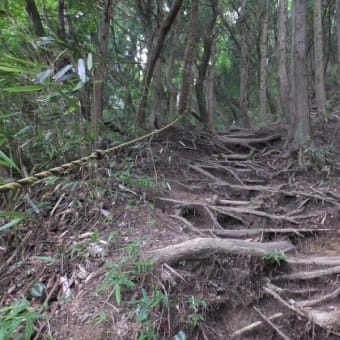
<point x="188" y="224"/>
<point x="271" y="324"/>
<point x="253" y="326"/>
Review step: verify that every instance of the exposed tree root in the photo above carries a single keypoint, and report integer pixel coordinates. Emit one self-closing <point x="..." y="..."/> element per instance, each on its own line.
<point x="201" y="248"/>
<point x="316" y="260"/>
<point x="325" y="298"/>
<point x="238" y="233"/>
<point x="327" y="320"/>
<point x="231" y="211"/>
<point x="309" y="275"/>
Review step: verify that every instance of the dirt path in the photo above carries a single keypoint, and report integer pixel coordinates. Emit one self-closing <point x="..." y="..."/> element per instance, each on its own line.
<point x="245" y="243"/>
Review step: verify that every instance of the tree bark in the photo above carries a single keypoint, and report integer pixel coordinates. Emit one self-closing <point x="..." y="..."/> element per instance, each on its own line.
<point x="282" y="59"/>
<point x="264" y="63"/>
<point x="300" y="124"/>
<point x="32" y="11"/>
<point x="189" y="55"/>
<point x="99" y="71"/>
<point x="208" y="42"/>
<point x="320" y="92"/>
<point x="202" y="248"/>
<point x="156" y="51"/>
<point x="337" y="20"/>
<point x="244" y="65"/>
<point x="61" y="19"/>
<point x="171" y="86"/>
<point x="211" y="97"/>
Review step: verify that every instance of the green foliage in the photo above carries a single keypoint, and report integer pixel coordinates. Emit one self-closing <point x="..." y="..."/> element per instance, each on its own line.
<point x="143" y="309"/>
<point x="119" y="277"/>
<point x="320" y="157"/>
<point x="17" y="320"/>
<point x="15" y="218"/>
<point x="276" y="257"/>
<point x="101" y="317"/>
<point x="197" y="307"/>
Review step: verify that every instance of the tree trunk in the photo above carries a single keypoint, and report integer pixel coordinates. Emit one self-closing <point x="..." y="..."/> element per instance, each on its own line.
<point x="337" y="20"/>
<point x="211" y="98"/>
<point x="282" y="59"/>
<point x="171" y="87"/>
<point x="61" y="19"/>
<point x="320" y="92"/>
<point x="157" y="94"/>
<point x="99" y="71"/>
<point x="244" y="65"/>
<point x="32" y="11"/>
<point x="300" y="124"/>
<point x="264" y="63"/>
<point x="189" y="55"/>
<point x="155" y="53"/>
<point x="208" y="42"/>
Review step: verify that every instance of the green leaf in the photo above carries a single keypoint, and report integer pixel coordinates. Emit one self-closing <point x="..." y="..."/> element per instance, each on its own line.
<point x="118" y="295"/>
<point x="14" y="214"/>
<point x="89" y="61"/>
<point x="81" y="70"/>
<point x="24" y="88"/>
<point x="10" y="224"/>
<point x="38" y="289"/>
<point x="45" y="258"/>
<point x="62" y="72"/>
<point x="12" y="69"/>
<point x="8" y="162"/>
<point x="42" y="76"/>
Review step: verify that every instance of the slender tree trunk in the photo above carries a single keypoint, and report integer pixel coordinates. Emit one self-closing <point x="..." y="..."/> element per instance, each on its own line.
<point x="282" y="59"/>
<point x="337" y="20"/>
<point x="155" y="53"/>
<point x="244" y="65"/>
<point x="32" y="11"/>
<point x="264" y="63"/>
<point x="300" y="124"/>
<point x="320" y="92"/>
<point x="99" y="71"/>
<point x="211" y="98"/>
<point x="208" y="42"/>
<point x="157" y="94"/>
<point x="171" y="87"/>
<point x="61" y="19"/>
<point x="189" y="55"/>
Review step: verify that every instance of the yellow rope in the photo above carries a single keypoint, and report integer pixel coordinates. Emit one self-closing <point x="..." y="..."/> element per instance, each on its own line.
<point x="59" y="170"/>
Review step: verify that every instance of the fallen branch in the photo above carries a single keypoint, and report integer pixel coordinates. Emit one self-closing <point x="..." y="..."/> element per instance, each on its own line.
<point x="253" y="326"/>
<point x="267" y="320"/>
<point x="201" y="248"/>
<point x="188" y="224"/>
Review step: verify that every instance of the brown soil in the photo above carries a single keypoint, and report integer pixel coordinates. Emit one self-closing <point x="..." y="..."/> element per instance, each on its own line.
<point x="184" y="185"/>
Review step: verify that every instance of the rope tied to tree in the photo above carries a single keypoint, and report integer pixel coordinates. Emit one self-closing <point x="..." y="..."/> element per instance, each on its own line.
<point x="95" y="155"/>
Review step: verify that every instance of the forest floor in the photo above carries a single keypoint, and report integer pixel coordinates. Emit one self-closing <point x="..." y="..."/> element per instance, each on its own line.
<point x="244" y="241"/>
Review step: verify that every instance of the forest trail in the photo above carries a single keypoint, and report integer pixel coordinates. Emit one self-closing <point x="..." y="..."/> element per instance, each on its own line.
<point x="246" y="244"/>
